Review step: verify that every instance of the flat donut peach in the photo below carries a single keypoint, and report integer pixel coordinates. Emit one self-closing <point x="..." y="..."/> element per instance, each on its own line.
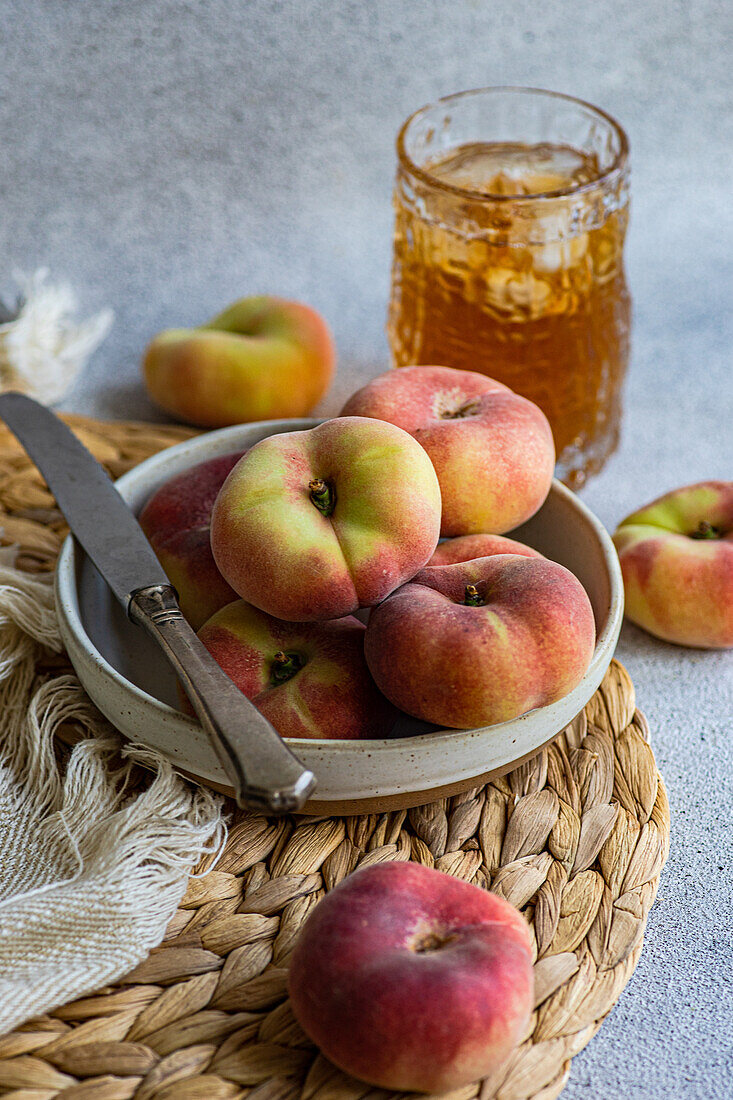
<point x="413" y="980"/>
<point x="492" y="450"/>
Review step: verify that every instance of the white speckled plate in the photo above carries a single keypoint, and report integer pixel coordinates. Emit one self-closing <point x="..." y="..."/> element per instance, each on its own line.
<point x="130" y="682"/>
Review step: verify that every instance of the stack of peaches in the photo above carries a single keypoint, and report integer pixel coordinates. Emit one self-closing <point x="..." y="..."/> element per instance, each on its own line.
<point x="274" y="551"/>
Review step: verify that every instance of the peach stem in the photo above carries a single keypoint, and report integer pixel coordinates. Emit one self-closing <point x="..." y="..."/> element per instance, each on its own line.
<point x="322" y="495"/>
<point x="429" y="942"/>
<point x="285" y="666"/>
<point x="469" y="409"/>
<point x="705" y="530"/>
<point x="472" y="597"/>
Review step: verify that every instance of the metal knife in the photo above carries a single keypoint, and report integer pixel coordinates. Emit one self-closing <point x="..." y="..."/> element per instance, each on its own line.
<point x="265" y="774"/>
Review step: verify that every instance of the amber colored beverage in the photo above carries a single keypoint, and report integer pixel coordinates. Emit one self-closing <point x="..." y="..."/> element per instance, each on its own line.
<point x="508" y="259"/>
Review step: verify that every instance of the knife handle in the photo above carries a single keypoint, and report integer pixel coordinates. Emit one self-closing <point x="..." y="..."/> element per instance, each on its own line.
<point x="265" y="774"/>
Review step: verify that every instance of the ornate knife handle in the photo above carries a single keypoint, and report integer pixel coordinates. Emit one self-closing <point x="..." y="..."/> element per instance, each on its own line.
<point x="265" y="774"/>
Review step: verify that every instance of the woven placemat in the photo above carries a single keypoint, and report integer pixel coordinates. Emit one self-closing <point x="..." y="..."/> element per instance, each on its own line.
<point x="576" y="838"/>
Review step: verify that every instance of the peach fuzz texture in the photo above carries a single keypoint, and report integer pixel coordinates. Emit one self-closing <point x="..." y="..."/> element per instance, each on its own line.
<point x="176" y="520"/>
<point x="468" y="547"/>
<point x="528" y="644"/>
<point x="280" y="553"/>
<point x="492" y="450"/>
<point x="262" y="358"/>
<point x="332" y="695"/>
<point x="383" y="1006"/>
<point x="678" y="587"/>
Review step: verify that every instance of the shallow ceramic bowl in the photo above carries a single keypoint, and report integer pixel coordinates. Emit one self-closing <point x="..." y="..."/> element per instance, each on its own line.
<point x="131" y="683"/>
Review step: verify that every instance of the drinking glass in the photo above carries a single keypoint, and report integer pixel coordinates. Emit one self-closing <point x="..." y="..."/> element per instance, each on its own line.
<point x="511" y="208"/>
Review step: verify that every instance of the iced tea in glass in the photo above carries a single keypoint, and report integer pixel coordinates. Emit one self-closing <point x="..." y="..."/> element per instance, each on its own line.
<point x="511" y="207"/>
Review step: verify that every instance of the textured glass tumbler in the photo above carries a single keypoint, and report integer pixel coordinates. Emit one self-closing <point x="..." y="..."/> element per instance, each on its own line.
<point x="511" y="207"/>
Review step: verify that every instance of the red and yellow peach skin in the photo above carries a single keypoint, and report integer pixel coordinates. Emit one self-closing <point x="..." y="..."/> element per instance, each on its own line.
<point x="308" y="679"/>
<point x="413" y="980"/>
<point x="492" y="450"/>
<point x="263" y="358"/>
<point x="481" y="641"/>
<point x="176" y="520"/>
<point x="468" y="547"/>
<point x="676" y="557"/>
<point x="316" y="524"/>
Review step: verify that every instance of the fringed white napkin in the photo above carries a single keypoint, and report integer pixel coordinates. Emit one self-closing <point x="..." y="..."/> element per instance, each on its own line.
<point x="43" y="350"/>
<point x="90" y="872"/>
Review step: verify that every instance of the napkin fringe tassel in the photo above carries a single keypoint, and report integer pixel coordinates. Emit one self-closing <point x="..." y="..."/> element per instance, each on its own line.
<point x="91" y="868"/>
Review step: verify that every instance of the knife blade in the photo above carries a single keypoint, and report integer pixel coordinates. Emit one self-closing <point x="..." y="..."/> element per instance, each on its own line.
<point x="265" y="774"/>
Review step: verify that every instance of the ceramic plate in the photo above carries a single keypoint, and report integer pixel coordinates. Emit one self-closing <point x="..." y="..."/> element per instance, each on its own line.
<point x="129" y="680"/>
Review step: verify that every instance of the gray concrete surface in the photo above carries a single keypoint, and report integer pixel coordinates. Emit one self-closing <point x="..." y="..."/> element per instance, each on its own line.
<point x="169" y="156"/>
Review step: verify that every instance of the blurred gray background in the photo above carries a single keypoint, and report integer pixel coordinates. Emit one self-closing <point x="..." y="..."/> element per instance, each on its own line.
<point x="167" y="157"/>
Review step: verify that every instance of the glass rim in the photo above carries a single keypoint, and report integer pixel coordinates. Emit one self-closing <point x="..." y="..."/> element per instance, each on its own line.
<point x="615" y="169"/>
